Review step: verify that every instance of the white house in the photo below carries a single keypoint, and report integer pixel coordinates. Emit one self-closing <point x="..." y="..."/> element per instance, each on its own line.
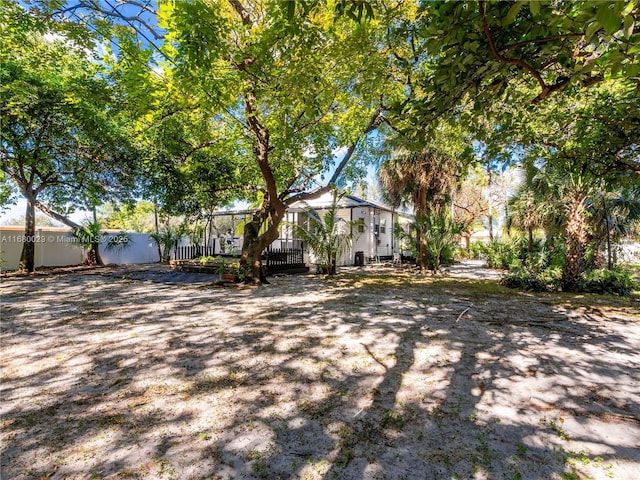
<point x="374" y="234"/>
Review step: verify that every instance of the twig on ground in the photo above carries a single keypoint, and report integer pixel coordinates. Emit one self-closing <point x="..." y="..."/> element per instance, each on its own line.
<point x="464" y="311"/>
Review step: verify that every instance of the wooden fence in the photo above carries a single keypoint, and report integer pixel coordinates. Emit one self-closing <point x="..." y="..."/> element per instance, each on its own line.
<point x="188" y="252"/>
<point x="284" y="260"/>
<point x="275" y="260"/>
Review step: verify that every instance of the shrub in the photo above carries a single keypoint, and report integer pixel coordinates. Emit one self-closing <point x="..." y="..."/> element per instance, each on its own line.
<point x="165" y="240"/>
<point x="546" y="280"/>
<point x="503" y="254"/>
<point x="601" y="281"/>
<point x="514" y="253"/>
<point x="448" y="254"/>
<point x="617" y="282"/>
<point x="476" y="249"/>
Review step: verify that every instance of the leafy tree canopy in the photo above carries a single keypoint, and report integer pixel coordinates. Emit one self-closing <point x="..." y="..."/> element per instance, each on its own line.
<point x="64" y="141"/>
<point x="483" y="49"/>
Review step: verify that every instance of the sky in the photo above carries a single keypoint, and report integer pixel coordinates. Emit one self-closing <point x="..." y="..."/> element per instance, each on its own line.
<point x="18" y="210"/>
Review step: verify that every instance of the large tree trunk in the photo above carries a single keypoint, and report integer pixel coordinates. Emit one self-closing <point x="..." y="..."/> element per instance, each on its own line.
<point x="608" y="231"/>
<point x="576" y="241"/>
<point x="259" y="233"/>
<point x="421" y="217"/>
<point x="28" y="256"/>
<point x="422" y="244"/>
<point x="264" y="227"/>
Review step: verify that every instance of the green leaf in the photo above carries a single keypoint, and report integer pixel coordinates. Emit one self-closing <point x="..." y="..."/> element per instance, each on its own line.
<point x="370" y="15"/>
<point x="291" y="10"/>
<point x="534" y="6"/>
<point x="608" y="18"/>
<point x="512" y="14"/>
<point x="591" y="30"/>
<point x="627" y="9"/>
<point x="628" y="26"/>
<point x="631" y="70"/>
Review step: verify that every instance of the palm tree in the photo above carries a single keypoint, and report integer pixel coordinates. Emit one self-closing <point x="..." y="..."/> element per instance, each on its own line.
<point x="534" y="207"/>
<point x="422" y="178"/>
<point x="613" y="215"/>
<point x="165" y="240"/>
<point x="328" y="235"/>
<point x="575" y="194"/>
<point x="440" y="231"/>
<point x="89" y="236"/>
<point x="562" y="197"/>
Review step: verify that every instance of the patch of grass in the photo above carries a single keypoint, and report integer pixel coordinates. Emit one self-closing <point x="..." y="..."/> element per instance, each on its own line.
<point x="393" y="419"/>
<point x="482" y="448"/>
<point x="164" y="468"/>
<point x="210" y="383"/>
<point x="260" y="461"/>
<point x="580" y="459"/>
<point x="318" y="469"/>
<point x="112" y="420"/>
<point x="558" y="428"/>
<point x="569" y="476"/>
<point x="320" y="408"/>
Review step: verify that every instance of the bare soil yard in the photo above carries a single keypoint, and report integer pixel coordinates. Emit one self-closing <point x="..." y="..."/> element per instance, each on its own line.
<point x="133" y="372"/>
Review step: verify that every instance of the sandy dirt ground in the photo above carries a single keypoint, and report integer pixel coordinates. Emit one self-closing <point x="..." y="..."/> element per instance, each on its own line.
<point x="139" y="372"/>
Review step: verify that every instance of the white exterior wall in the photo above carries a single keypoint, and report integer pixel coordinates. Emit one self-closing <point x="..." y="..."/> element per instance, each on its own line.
<point x="54" y="248"/>
<point x="384" y="247"/>
<point x="373" y="246"/>
<point x="142" y="250"/>
<point x="361" y="241"/>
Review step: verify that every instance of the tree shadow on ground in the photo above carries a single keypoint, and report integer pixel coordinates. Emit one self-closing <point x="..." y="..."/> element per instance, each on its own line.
<point x="312" y="378"/>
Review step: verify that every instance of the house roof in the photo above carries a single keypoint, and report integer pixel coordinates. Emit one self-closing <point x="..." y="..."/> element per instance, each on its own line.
<point x="324" y="201"/>
<point x="348" y="201"/>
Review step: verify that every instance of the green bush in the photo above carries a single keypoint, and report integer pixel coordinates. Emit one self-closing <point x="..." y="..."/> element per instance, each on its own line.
<point x="514" y="254"/>
<point x="601" y="281"/>
<point x="475" y="250"/>
<point x="617" y="282"/>
<point x="448" y="254"/>
<point x="504" y="254"/>
<point x="529" y="279"/>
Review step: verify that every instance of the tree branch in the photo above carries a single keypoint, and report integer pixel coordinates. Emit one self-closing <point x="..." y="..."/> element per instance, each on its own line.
<point x="501" y="58"/>
<point x="55" y="215"/>
<point x="541" y="40"/>
<point x="197" y="148"/>
<point x="95" y="6"/>
<point x="244" y="15"/>
<point x="373" y="124"/>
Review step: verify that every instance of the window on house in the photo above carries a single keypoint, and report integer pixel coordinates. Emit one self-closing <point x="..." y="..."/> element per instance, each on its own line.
<point x="383" y="226"/>
<point x="360" y="223"/>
